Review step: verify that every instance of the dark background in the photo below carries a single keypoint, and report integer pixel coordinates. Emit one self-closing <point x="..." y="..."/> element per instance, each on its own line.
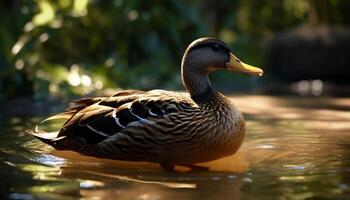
<point x="69" y="48"/>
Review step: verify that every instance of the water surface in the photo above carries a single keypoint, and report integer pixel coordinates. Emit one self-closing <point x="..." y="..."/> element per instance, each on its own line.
<point x="295" y="148"/>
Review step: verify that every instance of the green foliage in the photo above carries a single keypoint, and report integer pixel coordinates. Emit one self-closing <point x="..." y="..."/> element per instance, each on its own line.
<point x="67" y="47"/>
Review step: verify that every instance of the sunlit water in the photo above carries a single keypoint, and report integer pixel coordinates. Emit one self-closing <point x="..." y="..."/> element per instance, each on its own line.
<point x="294" y="149"/>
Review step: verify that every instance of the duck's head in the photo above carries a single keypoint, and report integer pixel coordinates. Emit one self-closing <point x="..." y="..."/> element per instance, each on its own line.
<point x="205" y="55"/>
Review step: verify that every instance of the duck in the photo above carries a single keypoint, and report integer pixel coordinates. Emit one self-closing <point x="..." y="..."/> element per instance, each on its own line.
<point x="164" y="127"/>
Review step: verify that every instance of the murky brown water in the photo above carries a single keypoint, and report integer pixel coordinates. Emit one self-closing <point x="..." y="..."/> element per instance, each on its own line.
<point x="295" y="148"/>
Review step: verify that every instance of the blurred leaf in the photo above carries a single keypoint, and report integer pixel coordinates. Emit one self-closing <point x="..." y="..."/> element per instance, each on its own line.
<point x="46" y="14"/>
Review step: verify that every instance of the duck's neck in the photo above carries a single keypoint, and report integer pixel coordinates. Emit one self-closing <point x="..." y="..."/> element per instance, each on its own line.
<point x="198" y="85"/>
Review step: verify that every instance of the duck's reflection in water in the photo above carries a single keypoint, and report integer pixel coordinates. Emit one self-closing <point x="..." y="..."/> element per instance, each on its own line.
<point x="104" y="179"/>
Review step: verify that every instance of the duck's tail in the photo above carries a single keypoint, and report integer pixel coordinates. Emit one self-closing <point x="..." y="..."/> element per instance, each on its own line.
<point x="67" y="143"/>
<point x="49" y="138"/>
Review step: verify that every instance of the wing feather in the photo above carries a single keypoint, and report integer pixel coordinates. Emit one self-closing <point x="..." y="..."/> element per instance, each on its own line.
<point x="128" y="118"/>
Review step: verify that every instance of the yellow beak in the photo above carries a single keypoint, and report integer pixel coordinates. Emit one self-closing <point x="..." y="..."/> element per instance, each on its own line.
<point x="234" y="64"/>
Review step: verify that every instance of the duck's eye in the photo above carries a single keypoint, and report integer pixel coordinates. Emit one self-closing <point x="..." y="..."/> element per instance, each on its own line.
<point x="216" y="47"/>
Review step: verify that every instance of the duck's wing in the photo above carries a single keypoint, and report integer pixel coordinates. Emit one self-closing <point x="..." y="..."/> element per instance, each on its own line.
<point x="125" y="119"/>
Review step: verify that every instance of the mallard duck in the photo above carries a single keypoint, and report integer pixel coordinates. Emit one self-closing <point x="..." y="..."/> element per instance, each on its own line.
<point x="165" y="127"/>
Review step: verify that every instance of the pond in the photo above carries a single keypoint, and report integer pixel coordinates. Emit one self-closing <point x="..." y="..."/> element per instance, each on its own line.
<point x="295" y="148"/>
